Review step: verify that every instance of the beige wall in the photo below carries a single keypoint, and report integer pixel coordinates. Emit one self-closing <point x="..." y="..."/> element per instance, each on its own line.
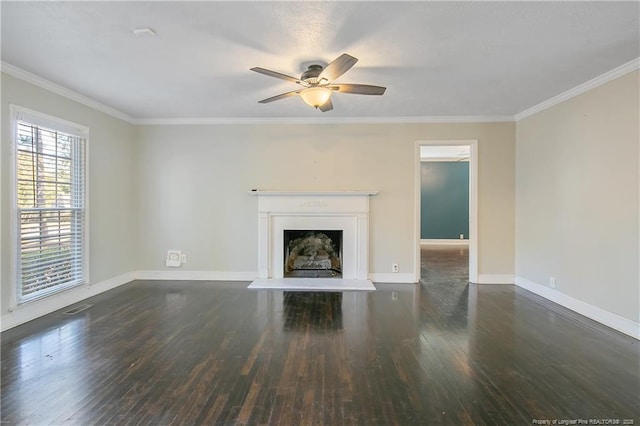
<point x="157" y="187"/>
<point x="112" y="187"/>
<point x="152" y="188"/>
<point x="577" y="190"/>
<point x="194" y="182"/>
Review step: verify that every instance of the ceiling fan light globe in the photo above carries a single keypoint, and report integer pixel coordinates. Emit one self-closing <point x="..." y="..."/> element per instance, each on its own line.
<point x="315" y="96"/>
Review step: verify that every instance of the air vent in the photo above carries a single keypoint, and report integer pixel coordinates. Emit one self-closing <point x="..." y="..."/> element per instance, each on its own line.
<point x="77" y="309"/>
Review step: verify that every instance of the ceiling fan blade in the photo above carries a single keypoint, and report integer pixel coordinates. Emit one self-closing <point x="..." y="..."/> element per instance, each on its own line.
<point x="338" y="67"/>
<point x="327" y="106"/>
<point x="358" y="89"/>
<point x="278" y="97"/>
<point x="275" y="74"/>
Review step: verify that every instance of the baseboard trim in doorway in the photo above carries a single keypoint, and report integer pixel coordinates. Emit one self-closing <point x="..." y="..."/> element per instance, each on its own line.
<point x="621" y="324"/>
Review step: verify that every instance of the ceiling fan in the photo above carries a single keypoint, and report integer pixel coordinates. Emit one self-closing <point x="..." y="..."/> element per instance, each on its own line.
<point x="317" y="86"/>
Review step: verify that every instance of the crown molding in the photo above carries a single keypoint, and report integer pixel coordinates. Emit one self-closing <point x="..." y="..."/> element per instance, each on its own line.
<point x="84" y="100"/>
<point x="324" y="120"/>
<point x="63" y="91"/>
<point x="580" y="89"/>
<point x="43" y="83"/>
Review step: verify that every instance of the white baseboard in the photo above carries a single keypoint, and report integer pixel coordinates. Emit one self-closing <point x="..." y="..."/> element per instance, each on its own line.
<point x="617" y="322"/>
<point x="393" y="278"/>
<point x="32" y="310"/>
<point x="186" y="275"/>
<point x="495" y="279"/>
<point x="451" y="242"/>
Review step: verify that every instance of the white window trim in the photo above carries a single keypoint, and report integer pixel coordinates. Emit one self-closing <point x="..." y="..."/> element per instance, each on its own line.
<point x="16" y="113"/>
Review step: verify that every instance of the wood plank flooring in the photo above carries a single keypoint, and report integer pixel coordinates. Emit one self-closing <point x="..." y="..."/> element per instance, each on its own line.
<point x="205" y="353"/>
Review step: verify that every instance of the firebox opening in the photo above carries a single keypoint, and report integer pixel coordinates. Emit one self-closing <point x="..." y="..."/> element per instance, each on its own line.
<point x="312" y="254"/>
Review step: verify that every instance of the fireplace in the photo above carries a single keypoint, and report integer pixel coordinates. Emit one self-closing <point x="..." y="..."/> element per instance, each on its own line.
<point x="343" y="216"/>
<point x="312" y="254"/>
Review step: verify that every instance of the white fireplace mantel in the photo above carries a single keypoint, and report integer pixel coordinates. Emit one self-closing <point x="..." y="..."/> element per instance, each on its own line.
<point x="329" y="210"/>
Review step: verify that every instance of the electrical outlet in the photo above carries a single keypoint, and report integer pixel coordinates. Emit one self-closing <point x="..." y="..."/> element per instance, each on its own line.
<point x="395" y="268"/>
<point x="552" y="282"/>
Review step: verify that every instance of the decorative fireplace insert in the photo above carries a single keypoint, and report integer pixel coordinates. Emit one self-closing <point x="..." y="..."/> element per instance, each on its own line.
<point x="312" y="254"/>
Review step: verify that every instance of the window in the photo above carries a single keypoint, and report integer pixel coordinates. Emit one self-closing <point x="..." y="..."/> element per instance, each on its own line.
<point x="49" y="204"/>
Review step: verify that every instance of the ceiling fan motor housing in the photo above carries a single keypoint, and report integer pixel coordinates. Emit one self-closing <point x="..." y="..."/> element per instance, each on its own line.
<point x="311" y="75"/>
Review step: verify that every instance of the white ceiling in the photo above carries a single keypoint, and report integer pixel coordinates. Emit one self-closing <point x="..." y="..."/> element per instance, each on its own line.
<point x="435" y="58"/>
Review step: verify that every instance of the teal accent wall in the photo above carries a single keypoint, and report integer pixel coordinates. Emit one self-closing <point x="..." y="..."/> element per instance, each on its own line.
<point x="444" y="200"/>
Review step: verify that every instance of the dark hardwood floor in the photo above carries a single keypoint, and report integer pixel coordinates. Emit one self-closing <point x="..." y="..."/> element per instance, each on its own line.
<point x="443" y="352"/>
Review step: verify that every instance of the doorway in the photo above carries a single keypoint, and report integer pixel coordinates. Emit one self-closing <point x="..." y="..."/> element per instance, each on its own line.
<point x="452" y="151"/>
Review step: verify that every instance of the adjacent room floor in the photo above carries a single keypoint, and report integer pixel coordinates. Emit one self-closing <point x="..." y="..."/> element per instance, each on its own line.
<point x="442" y="352"/>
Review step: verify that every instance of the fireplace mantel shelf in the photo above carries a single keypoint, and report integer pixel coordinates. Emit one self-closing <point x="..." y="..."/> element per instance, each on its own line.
<point x="263" y="192"/>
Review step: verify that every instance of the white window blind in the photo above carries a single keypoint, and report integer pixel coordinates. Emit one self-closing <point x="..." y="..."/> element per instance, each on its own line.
<point x="50" y="198"/>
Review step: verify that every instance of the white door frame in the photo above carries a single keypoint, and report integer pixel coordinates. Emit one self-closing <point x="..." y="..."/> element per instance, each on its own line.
<point x="473" y="202"/>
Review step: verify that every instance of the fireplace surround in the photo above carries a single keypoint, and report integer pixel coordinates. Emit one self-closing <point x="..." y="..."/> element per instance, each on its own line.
<point x="345" y="211"/>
